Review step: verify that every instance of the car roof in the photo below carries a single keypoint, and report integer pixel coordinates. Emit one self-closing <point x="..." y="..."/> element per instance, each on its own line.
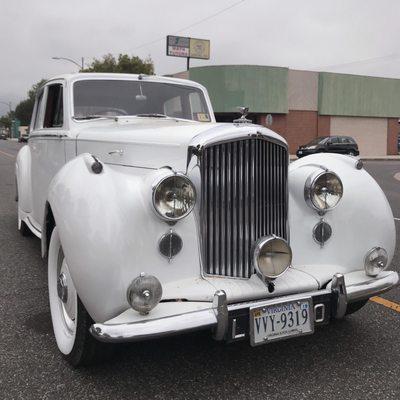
<point x="131" y="77"/>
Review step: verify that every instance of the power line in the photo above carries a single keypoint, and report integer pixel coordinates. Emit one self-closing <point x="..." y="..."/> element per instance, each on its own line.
<point x="362" y="61"/>
<point x="191" y="25"/>
<point x="181" y="29"/>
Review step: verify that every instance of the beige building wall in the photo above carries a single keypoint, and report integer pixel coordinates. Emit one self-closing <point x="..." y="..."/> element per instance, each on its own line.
<point x="369" y="133"/>
<point x="302" y="90"/>
<point x="181" y="75"/>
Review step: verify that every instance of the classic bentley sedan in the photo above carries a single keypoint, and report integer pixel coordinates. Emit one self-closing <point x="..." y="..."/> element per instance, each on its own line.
<point x="156" y="220"/>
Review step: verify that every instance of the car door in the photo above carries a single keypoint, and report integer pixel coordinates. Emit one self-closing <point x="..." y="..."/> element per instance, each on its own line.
<point x="333" y="145"/>
<point x="348" y="145"/>
<point x="342" y="146"/>
<point x="47" y="145"/>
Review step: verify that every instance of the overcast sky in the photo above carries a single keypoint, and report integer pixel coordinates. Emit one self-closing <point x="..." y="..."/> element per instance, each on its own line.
<point x="351" y="36"/>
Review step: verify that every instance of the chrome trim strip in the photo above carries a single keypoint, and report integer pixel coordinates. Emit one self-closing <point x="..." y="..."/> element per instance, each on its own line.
<point x="49" y="136"/>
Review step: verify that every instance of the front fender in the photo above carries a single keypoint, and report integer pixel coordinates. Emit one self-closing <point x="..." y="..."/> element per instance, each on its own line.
<point x="110" y="233"/>
<point x="23" y="177"/>
<point x="363" y="219"/>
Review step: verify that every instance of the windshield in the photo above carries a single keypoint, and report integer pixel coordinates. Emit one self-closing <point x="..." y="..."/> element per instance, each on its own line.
<point x="316" y="141"/>
<point x="97" y="98"/>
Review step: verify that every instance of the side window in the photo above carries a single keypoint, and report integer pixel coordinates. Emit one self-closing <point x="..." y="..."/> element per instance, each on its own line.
<point x="53" y="116"/>
<point x="173" y="107"/>
<point x="38" y="114"/>
<point x="334" y="140"/>
<point x="346" y="140"/>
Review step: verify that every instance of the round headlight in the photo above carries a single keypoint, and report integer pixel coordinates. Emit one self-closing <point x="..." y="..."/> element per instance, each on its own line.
<point x="323" y="190"/>
<point x="375" y="261"/>
<point x="272" y="256"/>
<point x="174" y="197"/>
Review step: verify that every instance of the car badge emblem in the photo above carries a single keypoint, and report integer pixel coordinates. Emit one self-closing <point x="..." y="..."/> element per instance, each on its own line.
<point x="244" y="112"/>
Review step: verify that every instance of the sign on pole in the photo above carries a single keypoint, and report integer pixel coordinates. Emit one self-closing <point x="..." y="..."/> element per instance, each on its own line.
<point x="199" y="48"/>
<point x="179" y="46"/>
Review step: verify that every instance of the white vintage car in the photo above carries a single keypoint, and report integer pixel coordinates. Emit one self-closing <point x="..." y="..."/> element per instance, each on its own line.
<point x="156" y="220"/>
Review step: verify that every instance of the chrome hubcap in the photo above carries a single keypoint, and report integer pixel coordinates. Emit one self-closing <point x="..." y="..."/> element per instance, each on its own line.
<point x="62" y="288"/>
<point x="66" y="293"/>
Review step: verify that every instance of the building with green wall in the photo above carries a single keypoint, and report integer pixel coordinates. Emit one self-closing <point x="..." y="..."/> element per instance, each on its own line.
<point x="307" y="104"/>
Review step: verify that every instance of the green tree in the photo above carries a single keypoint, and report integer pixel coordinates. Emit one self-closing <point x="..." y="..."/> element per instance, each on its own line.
<point x="23" y="110"/>
<point x="123" y="64"/>
<point x="5" y="121"/>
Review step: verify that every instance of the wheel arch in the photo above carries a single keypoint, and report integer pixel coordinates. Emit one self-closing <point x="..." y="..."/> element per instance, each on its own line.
<point x="47" y="228"/>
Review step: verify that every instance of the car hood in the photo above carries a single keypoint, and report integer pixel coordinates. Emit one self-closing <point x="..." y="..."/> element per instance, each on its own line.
<point x="154" y="143"/>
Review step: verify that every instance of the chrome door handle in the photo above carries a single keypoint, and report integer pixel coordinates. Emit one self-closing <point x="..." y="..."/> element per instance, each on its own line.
<point x="118" y="151"/>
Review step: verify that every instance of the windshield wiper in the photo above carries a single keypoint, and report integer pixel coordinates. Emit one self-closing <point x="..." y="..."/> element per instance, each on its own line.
<point x="95" y="117"/>
<point x="152" y="115"/>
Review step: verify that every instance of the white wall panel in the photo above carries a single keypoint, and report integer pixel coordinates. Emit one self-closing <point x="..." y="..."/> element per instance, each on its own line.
<point x="369" y="133"/>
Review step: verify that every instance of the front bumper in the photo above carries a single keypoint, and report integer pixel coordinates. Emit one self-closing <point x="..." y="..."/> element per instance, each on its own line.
<point x="230" y="321"/>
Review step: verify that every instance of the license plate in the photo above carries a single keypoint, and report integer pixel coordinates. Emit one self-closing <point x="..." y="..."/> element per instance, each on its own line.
<point x="276" y="321"/>
<point x="300" y="152"/>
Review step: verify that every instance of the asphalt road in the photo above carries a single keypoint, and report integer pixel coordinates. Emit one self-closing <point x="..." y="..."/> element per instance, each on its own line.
<point x="357" y="358"/>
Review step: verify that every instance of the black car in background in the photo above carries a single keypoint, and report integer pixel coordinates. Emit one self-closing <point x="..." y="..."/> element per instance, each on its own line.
<point x="3" y="136"/>
<point x="329" y="144"/>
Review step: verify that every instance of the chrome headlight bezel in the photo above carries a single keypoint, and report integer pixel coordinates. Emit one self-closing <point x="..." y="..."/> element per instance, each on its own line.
<point x="259" y="246"/>
<point x="309" y="187"/>
<point x="381" y="261"/>
<point x="156" y="187"/>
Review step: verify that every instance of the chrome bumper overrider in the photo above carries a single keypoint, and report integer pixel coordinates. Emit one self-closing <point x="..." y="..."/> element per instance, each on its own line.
<point x="216" y="317"/>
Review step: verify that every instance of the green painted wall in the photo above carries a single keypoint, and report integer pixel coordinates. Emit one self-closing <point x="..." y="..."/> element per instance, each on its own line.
<point x="352" y="95"/>
<point x="262" y="89"/>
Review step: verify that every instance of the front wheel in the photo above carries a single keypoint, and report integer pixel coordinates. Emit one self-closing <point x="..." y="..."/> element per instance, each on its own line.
<point x="71" y="321"/>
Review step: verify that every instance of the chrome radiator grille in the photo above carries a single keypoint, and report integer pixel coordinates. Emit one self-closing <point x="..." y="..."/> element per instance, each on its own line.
<point x="243" y="197"/>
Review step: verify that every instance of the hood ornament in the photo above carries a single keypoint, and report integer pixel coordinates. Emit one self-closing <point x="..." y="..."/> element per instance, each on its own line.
<point x="242" y="120"/>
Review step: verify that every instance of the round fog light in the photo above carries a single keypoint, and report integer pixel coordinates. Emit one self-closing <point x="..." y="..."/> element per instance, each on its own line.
<point x="144" y="293"/>
<point x="375" y="261"/>
<point x="272" y="256"/>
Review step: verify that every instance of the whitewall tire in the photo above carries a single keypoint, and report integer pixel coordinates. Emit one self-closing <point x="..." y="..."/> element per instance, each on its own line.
<point x="71" y="321"/>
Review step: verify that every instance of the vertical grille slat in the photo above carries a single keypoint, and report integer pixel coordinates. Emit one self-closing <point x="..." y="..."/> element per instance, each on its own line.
<point x="243" y="197"/>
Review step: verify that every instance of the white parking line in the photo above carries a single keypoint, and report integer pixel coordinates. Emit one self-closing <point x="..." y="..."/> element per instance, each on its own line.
<point x="396" y="219"/>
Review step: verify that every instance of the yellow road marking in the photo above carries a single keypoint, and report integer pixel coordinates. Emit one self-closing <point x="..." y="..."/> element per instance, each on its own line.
<point x="7" y="154"/>
<point x="387" y="303"/>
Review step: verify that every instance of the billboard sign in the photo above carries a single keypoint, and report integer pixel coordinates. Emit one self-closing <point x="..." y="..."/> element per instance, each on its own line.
<point x="200" y="48"/>
<point x="179" y="46"/>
